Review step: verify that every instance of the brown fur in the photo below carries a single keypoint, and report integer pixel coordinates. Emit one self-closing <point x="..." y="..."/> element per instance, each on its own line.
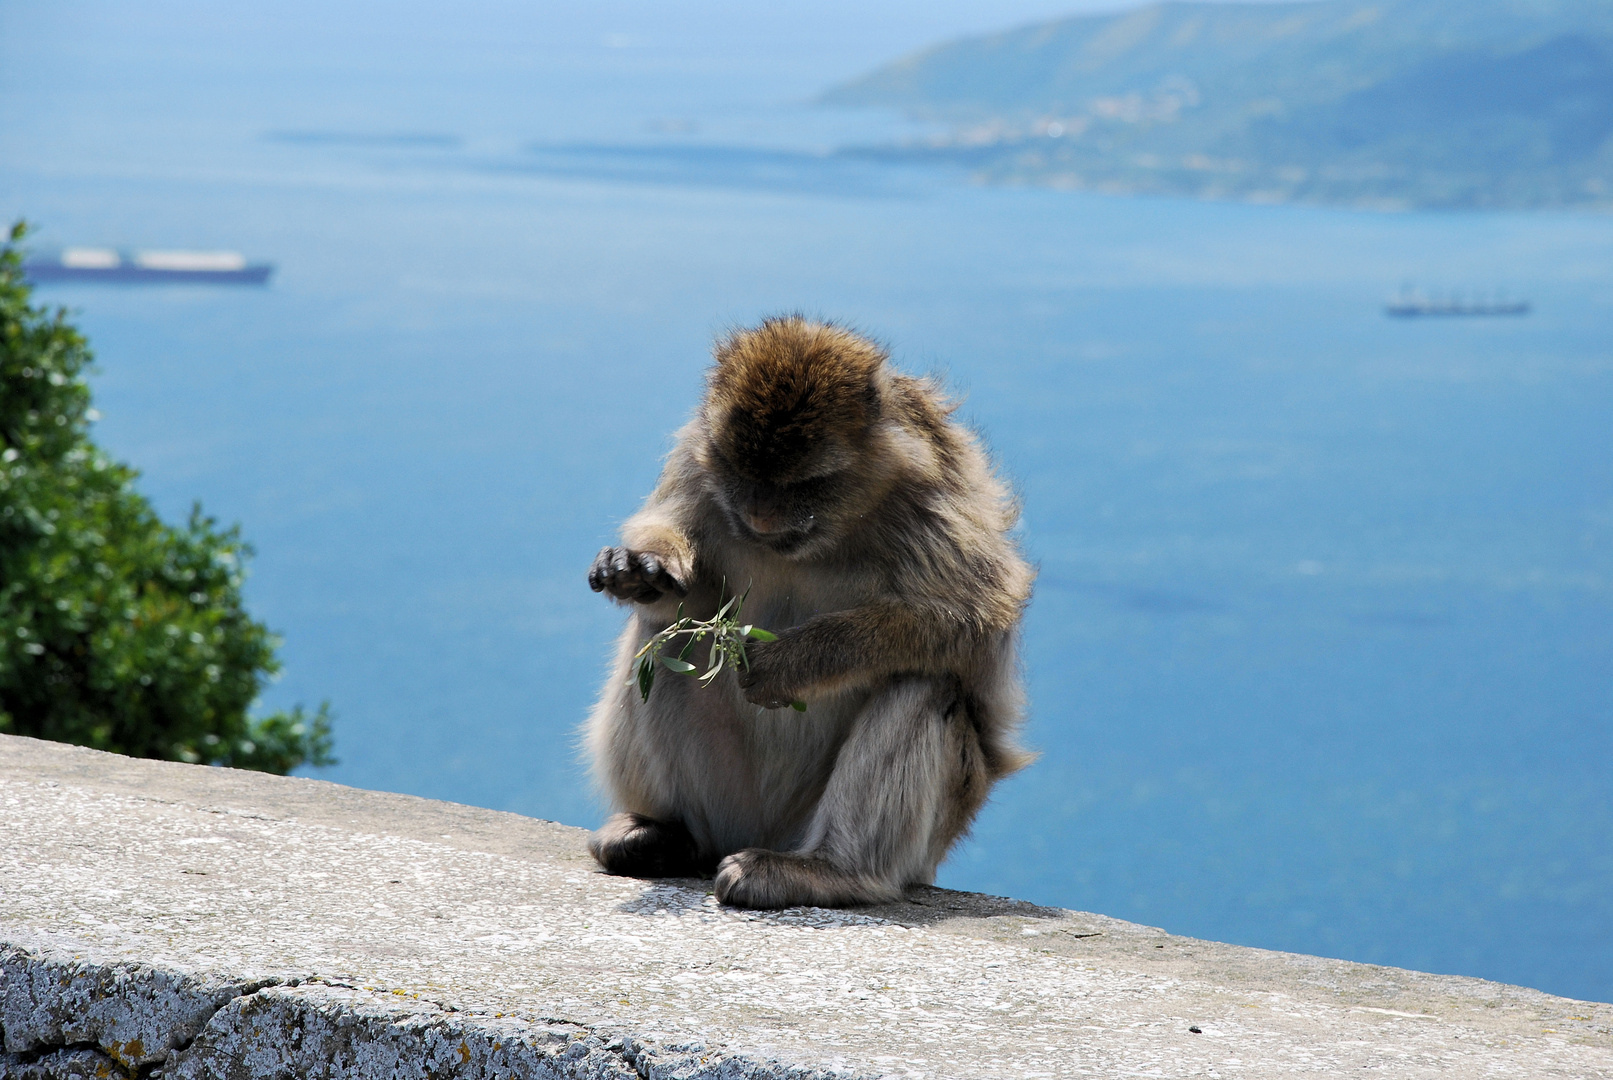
<point x="786" y="387"/>
<point x="874" y="539"/>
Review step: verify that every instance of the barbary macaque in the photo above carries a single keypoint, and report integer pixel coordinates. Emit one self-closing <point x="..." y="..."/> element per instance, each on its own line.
<point x="865" y="527"/>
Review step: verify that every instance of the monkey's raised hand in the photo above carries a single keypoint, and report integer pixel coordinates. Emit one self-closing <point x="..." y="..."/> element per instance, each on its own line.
<point x="633" y="575"/>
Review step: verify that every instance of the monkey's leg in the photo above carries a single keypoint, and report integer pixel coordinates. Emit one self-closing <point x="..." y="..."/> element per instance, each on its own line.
<point x="906" y="784"/>
<point x="636" y="846"/>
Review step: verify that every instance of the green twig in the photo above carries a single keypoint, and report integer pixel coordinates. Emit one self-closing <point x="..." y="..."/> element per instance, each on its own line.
<point x="728" y="641"/>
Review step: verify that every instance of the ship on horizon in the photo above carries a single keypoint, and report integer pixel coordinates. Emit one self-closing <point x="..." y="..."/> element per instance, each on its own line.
<point x="146" y="267"/>
<point x="1410" y="303"/>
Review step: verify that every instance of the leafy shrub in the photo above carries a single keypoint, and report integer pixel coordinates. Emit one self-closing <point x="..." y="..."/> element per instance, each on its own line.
<point x="117" y="631"/>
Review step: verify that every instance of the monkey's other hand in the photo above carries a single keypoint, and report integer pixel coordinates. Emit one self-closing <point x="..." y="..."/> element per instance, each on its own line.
<point x="764" y="677"/>
<point x="633" y="575"/>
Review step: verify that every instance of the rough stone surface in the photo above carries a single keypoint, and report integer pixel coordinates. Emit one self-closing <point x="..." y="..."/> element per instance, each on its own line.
<point x="135" y="1013"/>
<point x="75" y="1063"/>
<point x="179" y="921"/>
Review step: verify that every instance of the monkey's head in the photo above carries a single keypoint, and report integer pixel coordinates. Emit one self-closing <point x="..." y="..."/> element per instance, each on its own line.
<point x="790" y="412"/>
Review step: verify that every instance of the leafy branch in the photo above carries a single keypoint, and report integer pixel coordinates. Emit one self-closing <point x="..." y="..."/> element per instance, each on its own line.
<point x="728" y="641"/>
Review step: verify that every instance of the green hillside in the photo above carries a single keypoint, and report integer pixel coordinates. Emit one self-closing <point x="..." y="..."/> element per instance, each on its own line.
<point x="1393" y="102"/>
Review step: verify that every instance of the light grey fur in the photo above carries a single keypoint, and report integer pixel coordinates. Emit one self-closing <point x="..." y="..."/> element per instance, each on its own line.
<point x="906" y="728"/>
<point x="867" y="780"/>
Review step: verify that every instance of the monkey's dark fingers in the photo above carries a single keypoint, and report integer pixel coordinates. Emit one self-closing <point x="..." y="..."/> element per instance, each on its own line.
<point x="757" y="677"/>
<point x="751" y="681"/>
<point x="632" y="575"/>
<point x="757" y="693"/>
<point x="611" y="573"/>
<point x="600" y="573"/>
<point x="656" y="574"/>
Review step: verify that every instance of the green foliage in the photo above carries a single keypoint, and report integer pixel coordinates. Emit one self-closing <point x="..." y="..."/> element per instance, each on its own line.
<point x="728" y="640"/>
<point x="117" y="631"/>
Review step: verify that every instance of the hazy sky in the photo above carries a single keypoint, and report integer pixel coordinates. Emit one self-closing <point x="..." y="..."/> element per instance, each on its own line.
<point x="235" y="71"/>
<point x="844" y="36"/>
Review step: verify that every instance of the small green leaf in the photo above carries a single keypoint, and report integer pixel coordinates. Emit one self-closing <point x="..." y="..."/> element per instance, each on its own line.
<point x="798" y="706"/>
<point x="646" y="678"/>
<point x="682" y="667"/>
<point x="759" y="634"/>
<point x="712" y="672"/>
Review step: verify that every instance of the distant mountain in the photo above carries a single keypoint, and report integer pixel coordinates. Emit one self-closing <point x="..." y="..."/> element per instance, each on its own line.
<point x="1374" y="102"/>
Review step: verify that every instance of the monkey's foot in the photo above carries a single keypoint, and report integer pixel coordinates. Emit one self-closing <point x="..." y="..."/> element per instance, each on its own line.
<point x="758" y="878"/>
<point x="633" y="845"/>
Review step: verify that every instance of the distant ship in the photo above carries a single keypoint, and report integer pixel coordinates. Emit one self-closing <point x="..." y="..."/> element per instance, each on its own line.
<point x="1409" y="304"/>
<point x="109" y="264"/>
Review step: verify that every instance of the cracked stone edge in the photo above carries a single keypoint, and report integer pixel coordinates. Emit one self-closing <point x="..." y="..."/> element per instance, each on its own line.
<point x="66" y="1016"/>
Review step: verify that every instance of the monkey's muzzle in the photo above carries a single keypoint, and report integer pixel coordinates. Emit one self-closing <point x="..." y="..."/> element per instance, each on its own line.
<point x="766" y="523"/>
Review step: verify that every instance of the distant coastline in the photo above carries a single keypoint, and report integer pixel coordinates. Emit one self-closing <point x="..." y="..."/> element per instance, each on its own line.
<point x="1478" y="104"/>
<point x="1101" y="170"/>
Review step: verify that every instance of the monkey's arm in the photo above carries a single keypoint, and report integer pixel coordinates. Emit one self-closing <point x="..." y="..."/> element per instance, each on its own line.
<point x="844" y="648"/>
<point x="946" y="596"/>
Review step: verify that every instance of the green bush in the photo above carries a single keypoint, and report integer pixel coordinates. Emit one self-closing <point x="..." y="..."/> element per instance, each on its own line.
<point x="117" y="631"/>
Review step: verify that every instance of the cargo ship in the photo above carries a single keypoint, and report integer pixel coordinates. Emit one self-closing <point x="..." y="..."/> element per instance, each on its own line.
<point x="1411" y="304"/>
<point x="146" y="267"/>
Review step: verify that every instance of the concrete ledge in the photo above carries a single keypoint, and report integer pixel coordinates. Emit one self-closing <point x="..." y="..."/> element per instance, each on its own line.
<point x="68" y="1016"/>
<point x="179" y="921"/>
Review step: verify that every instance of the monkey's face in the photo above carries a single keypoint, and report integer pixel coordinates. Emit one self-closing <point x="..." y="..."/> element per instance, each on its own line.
<point x="788" y="414"/>
<point x="789" y="514"/>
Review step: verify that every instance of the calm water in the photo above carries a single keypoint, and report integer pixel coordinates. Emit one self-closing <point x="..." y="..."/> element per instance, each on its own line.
<point x="1320" y="654"/>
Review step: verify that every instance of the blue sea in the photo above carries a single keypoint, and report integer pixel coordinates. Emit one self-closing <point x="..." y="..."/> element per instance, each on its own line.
<point x="1321" y="654"/>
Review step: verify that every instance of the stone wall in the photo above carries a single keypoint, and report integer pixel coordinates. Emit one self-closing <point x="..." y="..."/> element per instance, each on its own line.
<point x="179" y="921"/>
